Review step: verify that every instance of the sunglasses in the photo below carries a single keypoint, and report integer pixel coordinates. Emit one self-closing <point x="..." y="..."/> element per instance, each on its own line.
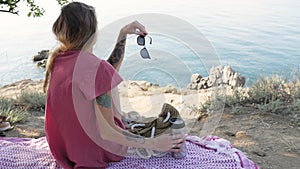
<point x="141" y="41"/>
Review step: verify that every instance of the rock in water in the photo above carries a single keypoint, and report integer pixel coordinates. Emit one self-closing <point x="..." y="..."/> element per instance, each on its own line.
<point x="42" y="64"/>
<point x="43" y="54"/>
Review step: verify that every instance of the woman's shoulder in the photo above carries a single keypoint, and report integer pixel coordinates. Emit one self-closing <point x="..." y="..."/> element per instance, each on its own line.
<point x="88" y="62"/>
<point x="88" y="58"/>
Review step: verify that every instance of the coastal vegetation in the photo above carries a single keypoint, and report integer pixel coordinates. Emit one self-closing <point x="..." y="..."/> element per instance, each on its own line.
<point x="268" y="95"/>
<point x="17" y="109"/>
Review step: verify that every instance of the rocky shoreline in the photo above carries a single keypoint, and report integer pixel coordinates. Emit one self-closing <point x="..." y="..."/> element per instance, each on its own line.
<point x="218" y="75"/>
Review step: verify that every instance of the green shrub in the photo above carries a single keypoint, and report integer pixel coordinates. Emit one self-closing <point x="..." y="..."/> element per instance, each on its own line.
<point x="268" y="94"/>
<point x="13" y="115"/>
<point x="239" y="96"/>
<point x="32" y="100"/>
<point x="6" y="103"/>
<point x="272" y="106"/>
<point x="267" y="89"/>
<point x="294" y="88"/>
<point x="16" y="109"/>
<point x="203" y="109"/>
<point x="8" y="109"/>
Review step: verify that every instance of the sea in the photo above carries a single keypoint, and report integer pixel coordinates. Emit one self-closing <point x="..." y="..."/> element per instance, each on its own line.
<point x="255" y="37"/>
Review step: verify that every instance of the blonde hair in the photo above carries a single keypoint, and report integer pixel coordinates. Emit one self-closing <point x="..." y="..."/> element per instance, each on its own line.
<point x="75" y="29"/>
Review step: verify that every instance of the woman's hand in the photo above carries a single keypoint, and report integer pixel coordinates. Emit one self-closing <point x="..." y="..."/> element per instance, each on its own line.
<point x="167" y="142"/>
<point x="117" y="55"/>
<point x="134" y="28"/>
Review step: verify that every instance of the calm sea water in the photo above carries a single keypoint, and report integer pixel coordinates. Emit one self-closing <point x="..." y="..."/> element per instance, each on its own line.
<point x="254" y="37"/>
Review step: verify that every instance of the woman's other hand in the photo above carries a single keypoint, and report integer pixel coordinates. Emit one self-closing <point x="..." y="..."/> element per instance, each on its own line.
<point x="134" y="28"/>
<point x="167" y="142"/>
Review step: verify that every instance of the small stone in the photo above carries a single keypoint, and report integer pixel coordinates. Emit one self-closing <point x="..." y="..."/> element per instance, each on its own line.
<point x="229" y="133"/>
<point x="240" y="134"/>
<point x="42" y="64"/>
<point x="259" y="153"/>
<point x="133" y="83"/>
<point x="148" y="84"/>
<point x="170" y="89"/>
<point x="253" y="127"/>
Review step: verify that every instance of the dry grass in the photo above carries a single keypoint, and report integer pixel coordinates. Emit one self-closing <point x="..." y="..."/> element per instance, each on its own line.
<point x="268" y="94"/>
<point x="17" y="109"/>
<point x="31" y="100"/>
<point x="8" y="109"/>
<point x="13" y="115"/>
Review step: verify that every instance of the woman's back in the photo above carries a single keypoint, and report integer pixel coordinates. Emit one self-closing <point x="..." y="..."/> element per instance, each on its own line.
<point x="71" y="140"/>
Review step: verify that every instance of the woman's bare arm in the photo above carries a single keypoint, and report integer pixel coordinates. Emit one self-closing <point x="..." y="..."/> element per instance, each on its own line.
<point x="117" y="55"/>
<point x="109" y="131"/>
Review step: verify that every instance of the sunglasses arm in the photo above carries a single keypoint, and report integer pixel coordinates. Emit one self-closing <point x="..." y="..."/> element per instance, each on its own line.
<point x="150" y="39"/>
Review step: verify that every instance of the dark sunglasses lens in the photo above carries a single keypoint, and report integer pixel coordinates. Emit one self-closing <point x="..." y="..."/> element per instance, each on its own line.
<point x="141" y="40"/>
<point x="144" y="53"/>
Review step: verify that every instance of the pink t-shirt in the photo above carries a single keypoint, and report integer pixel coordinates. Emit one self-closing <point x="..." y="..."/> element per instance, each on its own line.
<point x="77" y="78"/>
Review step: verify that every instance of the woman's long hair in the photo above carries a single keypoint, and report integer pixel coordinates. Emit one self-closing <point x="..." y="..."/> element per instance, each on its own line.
<point x="75" y="29"/>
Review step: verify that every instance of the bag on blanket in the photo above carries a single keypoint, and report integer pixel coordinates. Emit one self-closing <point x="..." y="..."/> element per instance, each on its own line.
<point x="161" y="123"/>
<point x="153" y="128"/>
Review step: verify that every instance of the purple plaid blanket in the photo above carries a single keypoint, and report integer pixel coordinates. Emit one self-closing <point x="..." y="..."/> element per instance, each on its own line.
<point x="209" y="152"/>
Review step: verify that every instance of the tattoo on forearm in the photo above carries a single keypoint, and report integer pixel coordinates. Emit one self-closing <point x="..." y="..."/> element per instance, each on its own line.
<point x="104" y="100"/>
<point x="133" y="137"/>
<point x="118" y="52"/>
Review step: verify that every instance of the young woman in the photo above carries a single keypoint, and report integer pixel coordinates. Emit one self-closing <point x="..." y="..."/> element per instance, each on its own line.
<point x="82" y="123"/>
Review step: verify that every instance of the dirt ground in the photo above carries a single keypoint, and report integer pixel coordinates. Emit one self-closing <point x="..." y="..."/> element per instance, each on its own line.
<point x="269" y="140"/>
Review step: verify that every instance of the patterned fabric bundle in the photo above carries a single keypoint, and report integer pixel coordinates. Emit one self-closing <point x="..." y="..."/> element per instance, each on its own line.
<point x="161" y="123"/>
<point x="209" y="152"/>
<point x="153" y="128"/>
